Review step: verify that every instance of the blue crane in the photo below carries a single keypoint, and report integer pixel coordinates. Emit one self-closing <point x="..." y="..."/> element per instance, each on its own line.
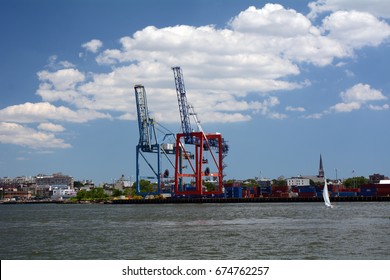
<point x="147" y="133"/>
<point x="148" y="141"/>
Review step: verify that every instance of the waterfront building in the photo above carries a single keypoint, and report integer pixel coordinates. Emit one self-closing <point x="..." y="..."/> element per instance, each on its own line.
<point x="55" y="180"/>
<point x="62" y="193"/>
<point x="298" y="181"/>
<point x="376" y="178"/>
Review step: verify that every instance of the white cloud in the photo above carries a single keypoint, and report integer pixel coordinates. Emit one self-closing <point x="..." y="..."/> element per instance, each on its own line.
<point x="315" y="116"/>
<point x="13" y="133"/>
<point x="44" y="111"/>
<point x="277" y="116"/>
<point x="354" y="97"/>
<point x="93" y="45"/>
<point x="345" y="107"/>
<point x="362" y="93"/>
<point x="63" y="79"/>
<point x="380" y="8"/>
<point x="51" y="127"/>
<point x="272" y="20"/>
<point x="355" y="29"/>
<point x="256" y="54"/>
<point x="349" y="73"/>
<point x="295" y="109"/>
<point x="54" y="64"/>
<point x="379" y="108"/>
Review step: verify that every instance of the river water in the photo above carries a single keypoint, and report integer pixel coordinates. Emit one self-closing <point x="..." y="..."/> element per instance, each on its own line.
<point x="355" y="230"/>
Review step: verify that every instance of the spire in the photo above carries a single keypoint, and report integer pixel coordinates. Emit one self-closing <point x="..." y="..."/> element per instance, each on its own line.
<point x="321" y="169"/>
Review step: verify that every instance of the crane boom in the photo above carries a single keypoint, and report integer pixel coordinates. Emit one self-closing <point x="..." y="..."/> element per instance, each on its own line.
<point x="145" y="123"/>
<point x="183" y="105"/>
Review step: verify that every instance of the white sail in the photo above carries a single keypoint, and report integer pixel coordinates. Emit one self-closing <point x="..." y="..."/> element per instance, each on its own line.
<point x="325" y="195"/>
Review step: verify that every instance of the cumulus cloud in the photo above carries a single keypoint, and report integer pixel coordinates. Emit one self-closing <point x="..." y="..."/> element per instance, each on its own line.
<point x="295" y="109"/>
<point x="256" y="52"/>
<point x="272" y="20"/>
<point x="51" y="127"/>
<point x="378" y="8"/>
<point x="354" y="97"/>
<point x="63" y="79"/>
<point x="55" y="64"/>
<point x="93" y="45"/>
<point x="378" y="107"/>
<point x="231" y="74"/>
<point x="345" y="107"/>
<point x="355" y="29"/>
<point x="13" y="133"/>
<point x="362" y="93"/>
<point x="44" y="111"/>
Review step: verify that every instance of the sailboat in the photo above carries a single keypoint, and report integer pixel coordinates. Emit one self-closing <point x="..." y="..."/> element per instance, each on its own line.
<point x="325" y="195"/>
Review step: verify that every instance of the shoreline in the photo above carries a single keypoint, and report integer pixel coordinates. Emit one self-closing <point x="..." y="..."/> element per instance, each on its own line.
<point x="207" y="200"/>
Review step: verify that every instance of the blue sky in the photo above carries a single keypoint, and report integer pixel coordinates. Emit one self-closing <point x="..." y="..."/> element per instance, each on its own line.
<point x="283" y="82"/>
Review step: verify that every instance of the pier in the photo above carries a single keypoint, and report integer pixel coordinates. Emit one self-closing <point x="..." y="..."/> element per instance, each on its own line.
<point x="248" y="200"/>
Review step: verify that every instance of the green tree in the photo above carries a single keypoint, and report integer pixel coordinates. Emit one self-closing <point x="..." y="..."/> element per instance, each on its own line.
<point x="280" y="182"/>
<point x="209" y="186"/>
<point x="81" y="195"/>
<point x="130" y="191"/>
<point x="145" y="187"/>
<point x="78" y="184"/>
<point x="117" y="192"/>
<point x="355" y="182"/>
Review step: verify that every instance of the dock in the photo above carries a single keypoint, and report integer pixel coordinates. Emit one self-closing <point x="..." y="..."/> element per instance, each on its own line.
<point x="248" y="200"/>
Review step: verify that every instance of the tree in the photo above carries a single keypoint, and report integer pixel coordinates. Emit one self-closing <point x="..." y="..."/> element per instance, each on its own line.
<point x="209" y="186"/>
<point x="280" y="182"/>
<point x="117" y="192"/>
<point x="355" y="182"/>
<point x="77" y="184"/>
<point x="94" y="194"/>
<point x="81" y="195"/>
<point x="145" y="187"/>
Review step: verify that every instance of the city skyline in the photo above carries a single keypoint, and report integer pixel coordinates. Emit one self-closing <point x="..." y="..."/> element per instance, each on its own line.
<point x="283" y="83"/>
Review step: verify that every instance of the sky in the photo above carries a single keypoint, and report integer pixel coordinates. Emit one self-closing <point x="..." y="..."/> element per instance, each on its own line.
<point x="283" y="81"/>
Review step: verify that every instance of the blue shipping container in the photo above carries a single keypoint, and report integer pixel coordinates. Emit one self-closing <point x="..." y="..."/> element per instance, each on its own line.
<point x="237" y="192"/>
<point x="346" y="194"/>
<point x="367" y="191"/>
<point x="233" y="192"/>
<point x="307" y="189"/>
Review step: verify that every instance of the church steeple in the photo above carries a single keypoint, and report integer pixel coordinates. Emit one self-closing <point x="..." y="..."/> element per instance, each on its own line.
<point x="321" y="172"/>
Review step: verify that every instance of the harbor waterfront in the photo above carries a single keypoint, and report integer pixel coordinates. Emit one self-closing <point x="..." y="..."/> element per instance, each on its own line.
<point x="277" y="230"/>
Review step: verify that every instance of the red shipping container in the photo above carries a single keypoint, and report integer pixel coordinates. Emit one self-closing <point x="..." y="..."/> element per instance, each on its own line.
<point x="279" y="189"/>
<point x="382" y="191"/>
<point x="285" y="195"/>
<point x="350" y="190"/>
<point x="307" y="194"/>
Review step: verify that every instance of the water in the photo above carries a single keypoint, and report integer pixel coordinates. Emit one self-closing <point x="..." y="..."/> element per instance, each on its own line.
<point x="357" y="230"/>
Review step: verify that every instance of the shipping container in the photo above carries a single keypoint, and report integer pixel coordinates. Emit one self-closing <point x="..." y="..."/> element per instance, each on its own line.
<point x="285" y="195"/>
<point x="346" y="194"/>
<point x="233" y="192"/>
<point x="295" y="189"/>
<point x="307" y="189"/>
<point x="279" y="189"/>
<point x="307" y="194"/>
<point x="350" y="190"/>
<point x="382" y="191"/>
<point x="368" y="190"/>
<point x="189" y="187"/>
